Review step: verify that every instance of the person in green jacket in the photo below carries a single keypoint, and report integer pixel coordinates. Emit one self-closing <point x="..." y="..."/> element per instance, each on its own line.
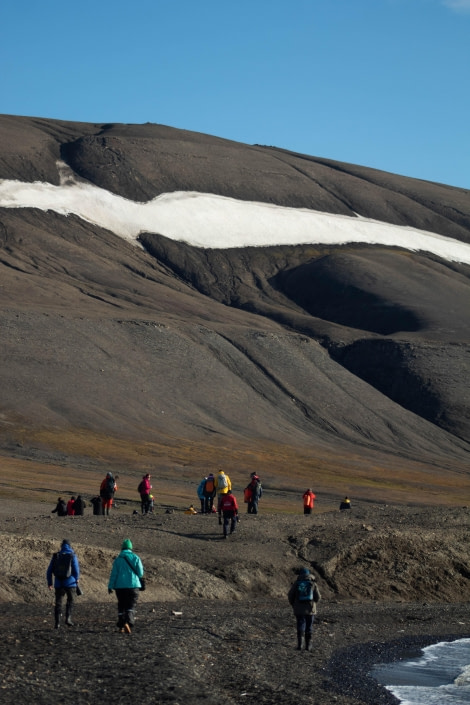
<point x="127" y="578"/>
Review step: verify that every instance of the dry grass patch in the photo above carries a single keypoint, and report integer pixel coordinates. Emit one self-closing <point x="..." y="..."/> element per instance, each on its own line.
<point x="177" y="466"/>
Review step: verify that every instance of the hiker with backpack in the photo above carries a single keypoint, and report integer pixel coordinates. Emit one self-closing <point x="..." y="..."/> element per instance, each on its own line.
<point x="66" y="571"/>
<point x="222" y="485"/>
<point x="229" y="509"/>
<point x="60" y="508"/>
<point x="309" y="500"/>
<point x="253" y="493"/>
<point x="303" y="597"/>
<point x="144" y="490"/>
<point x="209" y="493"/>
<point x="127" y="578"/>
<point x="107" y="489"/>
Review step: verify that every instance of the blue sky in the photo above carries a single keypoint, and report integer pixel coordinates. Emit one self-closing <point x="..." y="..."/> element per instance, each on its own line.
<point x="381" y="83"/>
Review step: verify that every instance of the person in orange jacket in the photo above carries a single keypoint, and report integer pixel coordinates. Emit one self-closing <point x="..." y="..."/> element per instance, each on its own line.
<point x="229" y="509"/>
<point x="309" y="501"/>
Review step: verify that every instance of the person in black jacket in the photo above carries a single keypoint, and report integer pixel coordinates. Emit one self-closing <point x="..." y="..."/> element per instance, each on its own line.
<point x="303" y="597"/>
<point x="61" y="508"/>
<point x="79" y="506"/>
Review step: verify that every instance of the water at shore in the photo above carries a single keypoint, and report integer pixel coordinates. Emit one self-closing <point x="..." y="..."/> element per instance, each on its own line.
<point x="440" y="675"/>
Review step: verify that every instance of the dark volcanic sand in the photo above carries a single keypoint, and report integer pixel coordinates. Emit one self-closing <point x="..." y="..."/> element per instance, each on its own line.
<point x="214" y="653"/>
<point x="235" y="638"/>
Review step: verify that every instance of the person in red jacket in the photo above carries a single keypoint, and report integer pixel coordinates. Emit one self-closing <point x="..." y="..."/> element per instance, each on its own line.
<point x="309" y="501"/>
<point x="229" y="509"/>
<point x="71" y="507"/>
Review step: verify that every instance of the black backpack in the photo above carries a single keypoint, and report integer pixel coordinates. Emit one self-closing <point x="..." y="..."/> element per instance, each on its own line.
<point x="62" y="565"/>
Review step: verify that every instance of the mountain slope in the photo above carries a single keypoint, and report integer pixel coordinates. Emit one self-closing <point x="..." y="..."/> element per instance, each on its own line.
<point x="358" y="347"/>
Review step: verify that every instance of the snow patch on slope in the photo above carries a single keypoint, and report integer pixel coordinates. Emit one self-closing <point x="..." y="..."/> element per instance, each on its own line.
<point x="210" y="221"/>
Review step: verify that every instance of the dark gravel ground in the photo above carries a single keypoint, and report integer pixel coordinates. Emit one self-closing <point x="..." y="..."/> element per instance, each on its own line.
<point x="215" y="652"/>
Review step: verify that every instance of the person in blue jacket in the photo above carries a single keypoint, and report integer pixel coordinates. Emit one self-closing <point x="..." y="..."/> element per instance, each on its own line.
<point x="65" y="569"/>
<point x="126" y="578"/>
<point x="201" y="495"/>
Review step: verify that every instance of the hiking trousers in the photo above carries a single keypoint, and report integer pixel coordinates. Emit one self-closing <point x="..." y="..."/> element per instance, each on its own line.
<point x="304" y="624"/>
<point x="127" y="601"/>
<point x="229" y="518"/>
<point x="59" y="596"/>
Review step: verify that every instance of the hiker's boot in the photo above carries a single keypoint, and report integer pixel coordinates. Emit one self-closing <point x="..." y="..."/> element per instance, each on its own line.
<point x="308" y="642"/>
<point x="300" y="642"/>
<point x="68" y="616"/>
<point x="57" y="616"/>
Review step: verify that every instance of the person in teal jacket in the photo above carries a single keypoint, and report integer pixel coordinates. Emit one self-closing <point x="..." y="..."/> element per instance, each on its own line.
<point x="126" y="578"/>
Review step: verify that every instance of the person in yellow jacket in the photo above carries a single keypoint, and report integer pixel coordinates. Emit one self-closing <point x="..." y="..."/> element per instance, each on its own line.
<point x="222" y="485"/>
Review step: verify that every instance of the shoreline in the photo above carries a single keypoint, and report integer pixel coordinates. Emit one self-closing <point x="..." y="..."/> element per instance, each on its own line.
<point x="350" y="667"/>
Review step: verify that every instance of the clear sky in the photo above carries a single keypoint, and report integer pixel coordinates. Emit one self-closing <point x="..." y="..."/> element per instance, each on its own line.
<point x="380" y="83"/>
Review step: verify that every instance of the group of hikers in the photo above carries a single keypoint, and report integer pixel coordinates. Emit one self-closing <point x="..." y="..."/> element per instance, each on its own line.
<point x="101" y="504"/>
<point x="74" y="507"/>
<point x="127" y="579"/>
<point x="220" y="487"/>
<point x="210" y="489"/>
<point x="127" y="573"/>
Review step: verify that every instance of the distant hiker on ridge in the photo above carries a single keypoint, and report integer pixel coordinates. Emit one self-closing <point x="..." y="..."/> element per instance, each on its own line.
<point x="144" y="491"/>
<point x="61" y="508"/>
<point x="201" y="495"/>
<point x="303" y="597"/>
<point x="222" y="486"/>
<point x="79" y="506"/>
<point x="107" y="489"/>
<point x="253" y="493"/>
<point x="309" y="501"/>
<point x="229" y="509"/>
<point x="71" y="507"/>
<point x="345" y="504"/>
<point x="209" y="493"/>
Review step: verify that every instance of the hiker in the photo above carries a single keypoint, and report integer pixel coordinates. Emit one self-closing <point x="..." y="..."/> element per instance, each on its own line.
<point x="151" y="503"/>
<point x="229" y="509"/>
<point x="79" y="506"/>
<point x="144" y="491"/>
<point x="209" y="494"/>
<point x="71" y="507"/>
<point x="127" y="578"/>
<point x="222" y="486"/>
<point x="66" y="571"/>
<point x="61" y="508"/>
<point x="97" y="505"/>
<point x="201" y="495"/>
<point x="253" y="493"/>
<point x="303" y="597"/>
<point x="107" y="489"/>
<point x="345" y="504"/>
<point x="309" y="501"/>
